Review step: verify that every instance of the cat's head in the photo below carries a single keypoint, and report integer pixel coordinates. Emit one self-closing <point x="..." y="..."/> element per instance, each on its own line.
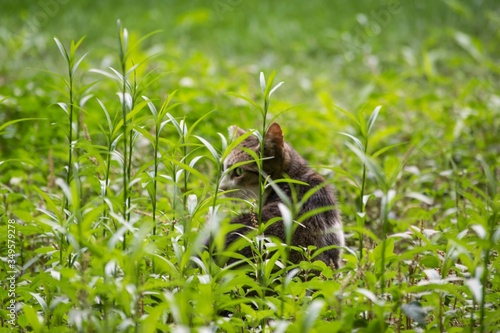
<point x="245" y="177"/>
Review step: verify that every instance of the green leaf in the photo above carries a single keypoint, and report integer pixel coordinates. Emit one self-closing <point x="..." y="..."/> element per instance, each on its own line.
<point x="311" y="315"/>
<point x="143" y="39"/>
<point x="348" y="114"/>
<point x="40" y="301"/>
<point x="140" y="63"/>
<point x="269" y="84"/>
<point x="476" y="287"/>
<point x="191" y="170"/>
<point x="129" y="116"/>
<point x="235" y="143"/>
<point x="262" y="82"/>
<point x="314" y="212"/>
<point x="257" y="106"/>
<point x="150" y="322"/>
<point x="389" y="252"/>
<point x="416" y="312"/>
<point x="152" y="107"/>
<point x="360" y="219"/>
<point x="193" y="126"/>
<point x="74" y="46"/>
<point x="62" y="50"/>
<point x="108" y="118"/>
<point x="370" y="295"/>
<point x="17" y="121"/>
<point x="32" y="318"/>
<point x="117" y="77"/>
<point x="386" y="149"/>
<point x="372" y="119"/>
<point x="145" y="133"/>
<point x="75" y="66"/>
<point x="371" y="165"/>
<point x="467" y="43"/>
<point x="490" y="177"/>
<point x="355" y="139"/>
<point x="430" y="261"/>
<point x="420" y="197"/>
<point x="177" y="126"/>
<point x="287" y="218"/>
<point x="275" y="88"/>
<point x="210" y="148"/>
<point x="166" y="106"/>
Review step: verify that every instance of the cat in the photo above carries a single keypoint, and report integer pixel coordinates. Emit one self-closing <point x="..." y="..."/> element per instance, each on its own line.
<point x="280" y="161"/>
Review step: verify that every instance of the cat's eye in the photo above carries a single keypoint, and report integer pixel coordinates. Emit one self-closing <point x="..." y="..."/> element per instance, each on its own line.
<point x="238" y="172"/>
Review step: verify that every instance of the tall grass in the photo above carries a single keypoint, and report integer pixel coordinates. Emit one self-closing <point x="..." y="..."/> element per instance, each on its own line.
<point x="142" y="199"/>
<point x="127" y="104"/>
<point x="365" y="128"/>
<point x="72" y="64"/>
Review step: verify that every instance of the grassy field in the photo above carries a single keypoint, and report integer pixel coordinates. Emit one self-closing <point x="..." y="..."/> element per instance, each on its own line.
<point x="111" y="150"/>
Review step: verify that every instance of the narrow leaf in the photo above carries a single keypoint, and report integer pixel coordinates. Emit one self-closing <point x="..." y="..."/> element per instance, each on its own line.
<point x="257" y="106"/>
<point x="311" y="315"/>
<point x="17" y="121"/>
<point x="415" y="311"/>
<point x="490" y="177"/>
<point x="275" y="88"/>
<point x="373" y="118"/>
<point x="75" y="66"/>
<point x="209" y="147"/>
<point x="355" y="139"/>
<point x="374" y="168"/>
<point x="63" y="51"/>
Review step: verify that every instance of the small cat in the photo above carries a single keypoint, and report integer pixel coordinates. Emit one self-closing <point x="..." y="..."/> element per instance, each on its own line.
<point x="280" y="159"/>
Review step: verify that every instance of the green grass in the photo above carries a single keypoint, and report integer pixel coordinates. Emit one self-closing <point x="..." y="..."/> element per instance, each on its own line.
<point x="106" y="201"/>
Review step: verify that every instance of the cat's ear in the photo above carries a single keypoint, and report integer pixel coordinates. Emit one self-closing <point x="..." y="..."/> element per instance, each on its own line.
<point x="235" y="131"/>
<point x="274" y="137"/>
<point x="274" y="146"/>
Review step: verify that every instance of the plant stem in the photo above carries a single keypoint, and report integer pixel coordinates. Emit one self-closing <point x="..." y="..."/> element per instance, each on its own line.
<point x="385" y="218"/>
<point x="69" y="174"/>
<point x="260" y="164"/>
<point x="131" y="142"/>
<point x="125" y="159"/>
<point x="125" y="169"/>
<point x="361" y="203"/>
<point x="155" y="174"/>
<point x="106" y="183"/>
<point x="184" y="198"/>
<point x="484" y="278"/>
<point x="186" y="220"/>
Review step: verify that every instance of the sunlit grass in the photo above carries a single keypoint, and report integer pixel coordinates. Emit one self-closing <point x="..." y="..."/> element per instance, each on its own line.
<point x="116" y="243"/>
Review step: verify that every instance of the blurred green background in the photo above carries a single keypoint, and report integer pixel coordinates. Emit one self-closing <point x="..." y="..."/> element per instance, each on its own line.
<point x="433" y="66"/>
<point x="346" y="52"/>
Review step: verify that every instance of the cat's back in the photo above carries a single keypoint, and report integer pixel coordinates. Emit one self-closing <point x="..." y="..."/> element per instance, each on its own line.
<point x="324" y="227"/>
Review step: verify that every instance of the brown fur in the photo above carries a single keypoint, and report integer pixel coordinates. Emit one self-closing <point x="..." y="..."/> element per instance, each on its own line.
<point x="320" y="230"/>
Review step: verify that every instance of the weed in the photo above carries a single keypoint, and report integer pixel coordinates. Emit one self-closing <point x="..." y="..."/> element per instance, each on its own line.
<point x="113" y="203"/>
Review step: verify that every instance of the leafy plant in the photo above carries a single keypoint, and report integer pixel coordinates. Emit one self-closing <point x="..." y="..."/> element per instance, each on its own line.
<point x="109" y="206"/>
